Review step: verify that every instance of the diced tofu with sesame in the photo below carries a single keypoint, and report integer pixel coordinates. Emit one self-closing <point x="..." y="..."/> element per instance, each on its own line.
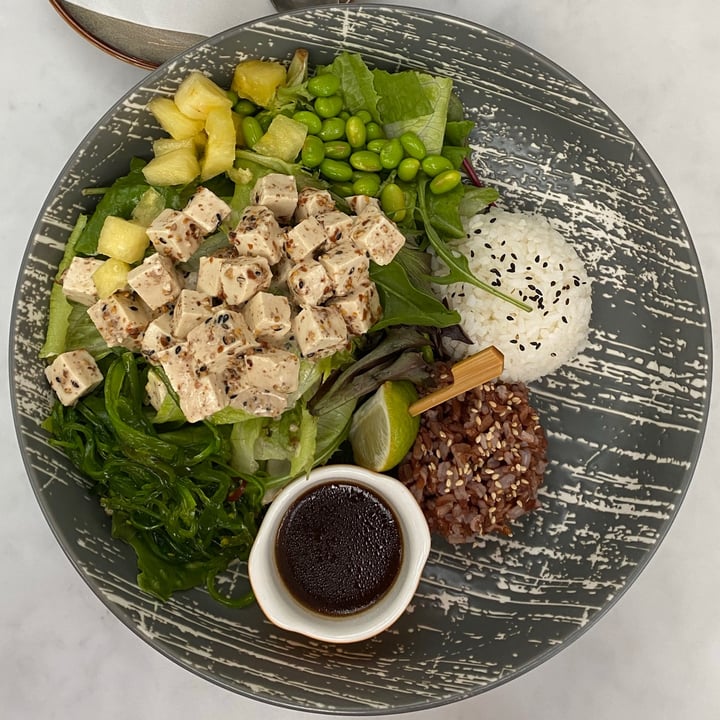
<point x="219" y="340"/>
<point x="309" y="283"/>
<point x="347" y="267"/>
<point x="199" y="395"/>
<point x="209" y="274"/>
<point x="302" y="240"/>
<point x="258" y="234"/>
<point x="277" y="192"/>
<point x="78" y="284"/>
<point x="319" y="331"/>
<point x="243" y="396"/>
<point x="72" y="375"/>
<point x="158" y="337"/>
<point x="156" y="390"/>
<point x="337" y="225"/>
<point x="360" y="309"/>
<point x="206" y="209"/>
<point x="313" y="201"/>
<point x="243" y="277"/>
<point x="121" y="320"/>
<point x="175" y="234"/>
<point x="268" y="316"/>
<point x="191" y="309"/>
<point x="363" y="204"/>
<point x="378" y="236"/>
<point x="155" y="280"/>
<point x="272" y="369"/>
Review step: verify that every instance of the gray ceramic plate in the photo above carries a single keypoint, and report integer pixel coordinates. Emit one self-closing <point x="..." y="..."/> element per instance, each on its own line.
<point x="625" y="420"/>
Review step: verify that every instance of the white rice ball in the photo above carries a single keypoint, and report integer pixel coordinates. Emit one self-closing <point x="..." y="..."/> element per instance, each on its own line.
<point x="523" y="256"/>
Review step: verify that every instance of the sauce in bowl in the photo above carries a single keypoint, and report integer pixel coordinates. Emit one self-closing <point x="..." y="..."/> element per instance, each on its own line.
<point x="339" y="548"/>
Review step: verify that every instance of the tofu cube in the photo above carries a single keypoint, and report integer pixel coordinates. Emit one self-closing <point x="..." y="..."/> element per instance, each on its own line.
<point x="319" y="331"/>
<point x="363" y="204"/>
<point x="243" y="277"/>
<point x="258" y="234"/>
<point x="272" y="369"/>
<point x="175" y="234"/>
<point x="347" y="267"/>
<point x="219" y="340"/>
<point x="78" y="284"/>
<point x="378" y="236"/>
<point x="206" y="210"/>
<point x="337" y="225"/>
<point x="309" y="283"/>
<point x="200" y="396"/>
<point x="155" y="280"/>
<point x="268" y="316"/>
<point x="156" y="390"/>
<point x="311" y="202"/>
<point x="278" y="193"/>
<point x="280" y="273"/>
<point x="158" y="337"/>
<point x="191" y="309"/>
<point x="360" y="309"/>
<point x="243" y="396"/>
<point x="306" y="237"/>
<point x="73" y="374"/>
<point x="121" y="320"/>
<point x="209" y="277"/>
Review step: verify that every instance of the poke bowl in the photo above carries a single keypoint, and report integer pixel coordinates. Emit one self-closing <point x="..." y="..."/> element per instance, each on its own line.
<point x="623" y="419"/>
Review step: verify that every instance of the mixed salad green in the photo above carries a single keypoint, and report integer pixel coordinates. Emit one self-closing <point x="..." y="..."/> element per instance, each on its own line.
<point x="189" y="497"/>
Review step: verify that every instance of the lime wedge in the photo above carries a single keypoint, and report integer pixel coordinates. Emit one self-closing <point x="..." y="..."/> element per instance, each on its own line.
<point x="382" y="429"/>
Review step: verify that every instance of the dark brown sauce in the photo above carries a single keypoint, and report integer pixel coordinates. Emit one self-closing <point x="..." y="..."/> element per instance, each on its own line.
<point x="339" y="548"/>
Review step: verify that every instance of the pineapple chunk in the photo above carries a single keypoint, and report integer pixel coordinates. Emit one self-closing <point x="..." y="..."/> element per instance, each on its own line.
<point x="177" y="167"/>
<point x="110" y="277"/>
<point x="198" y="95"/>
<point x="258" y="80"/>
<point x="284" y="139"/>
<point x="168" y="144"/>
<point x="172" y="120"/>
<point x="150" y="205"/>
<point x="220" y="149"/>
<point x="122" y="239"/>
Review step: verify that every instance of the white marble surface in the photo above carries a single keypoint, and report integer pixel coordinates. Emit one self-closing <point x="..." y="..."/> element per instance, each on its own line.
<point x="656" y="654"/>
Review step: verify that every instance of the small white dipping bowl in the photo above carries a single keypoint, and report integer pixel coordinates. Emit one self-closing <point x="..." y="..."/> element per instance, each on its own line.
<point x="276" y="600"/>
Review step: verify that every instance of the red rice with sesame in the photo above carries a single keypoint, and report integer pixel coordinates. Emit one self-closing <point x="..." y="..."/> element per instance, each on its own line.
<point x="477" y="462"/>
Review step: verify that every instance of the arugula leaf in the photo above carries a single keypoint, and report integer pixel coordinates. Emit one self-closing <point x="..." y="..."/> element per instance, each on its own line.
<point x="406" y="304"/>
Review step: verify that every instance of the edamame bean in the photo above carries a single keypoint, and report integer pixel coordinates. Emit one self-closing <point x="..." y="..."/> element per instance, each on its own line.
<point x="344" y="189"/>
<point x="433" y="165"/>
<point x="323" y="85"/>
<point x="332" y="129"/>
<point x="374" y="131"/>
<point x="413" y="145"/>
<point x="337" y="149"/>
<point x="328" y="107"/>
<point x="392" y="154"/>
<point x="408" y="169"/>
<point x="251" y="130"/>
<point x="366" y="160"/>
<point x="310" y="120"/>
<point x="445" y="182"/>
<point x="377" y="145"/>
<point x="336" y="170"/>
<point x="313" y="151"/>
<point x="364" y="115"/>
<point x="245" y="107"/>
<point x="392" y="201"/>
<point x="366" y="183"/>
<point x="355" y="131"/>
